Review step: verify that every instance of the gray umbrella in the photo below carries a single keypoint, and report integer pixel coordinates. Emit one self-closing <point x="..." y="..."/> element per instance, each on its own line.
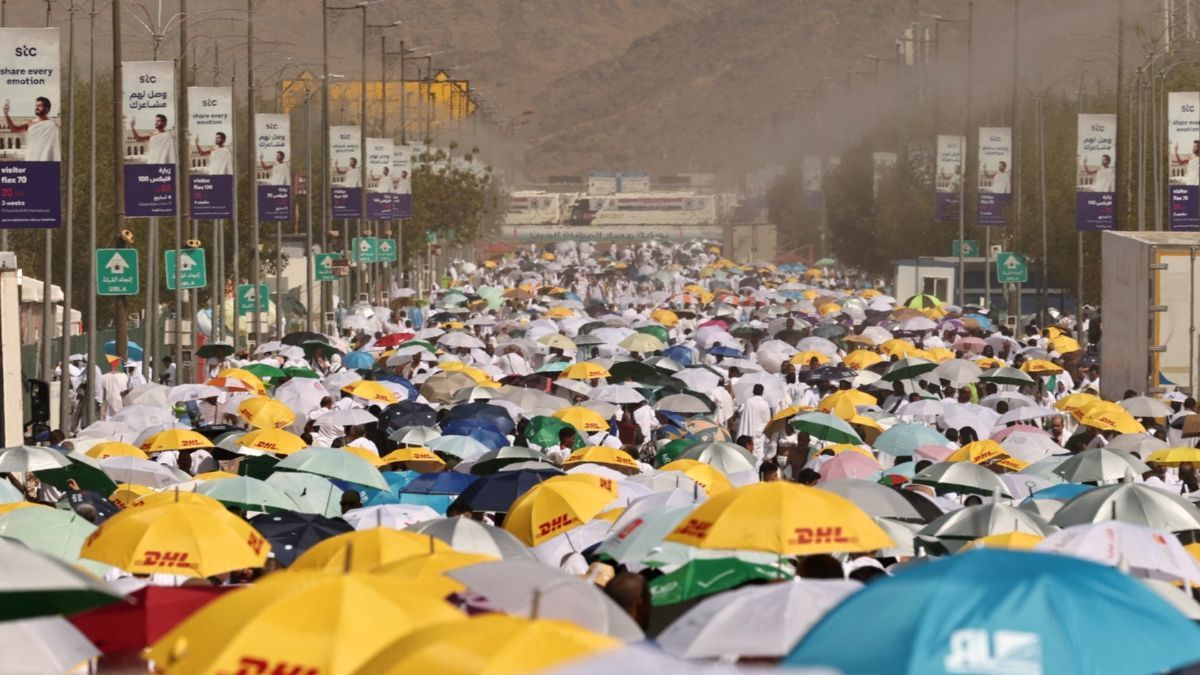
<point x="472" y="536"/>
<point x="1135" y="503"/>
<point x="685" y="404"/>
<point x="982" y="520"/>
<point x="962" y="477"/>
<point x="876" y="499"/>
<point x="1144" y="406"/>
<point x="1100" y="464"/>
<point x="1142" y="444"/>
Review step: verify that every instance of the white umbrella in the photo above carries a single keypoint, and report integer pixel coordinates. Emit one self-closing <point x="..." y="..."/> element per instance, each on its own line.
<point x="698" y="379"/>
<point x="637" y="539"/>
<point x="336" y="381"/>
<point x="552" y="551"/>
<point x="772" y="386"/>
<point x="149" y="393"/>
<point x="268" y="347"/>
<point x="1147" y="552"/>
<point x="925" y="410"/>
<point x="1021" y="485"/>
<point x="876" y="334"/>
<point x="459" y="340"/>
<point x="193" y="392"/>
<point x="621" y="394"/>
<point x="604" y="408"/>
<point x="301" y="395"/>
<point x="347" y="417"/>
<point x="28" y="458"/>
<point x="138" y="472"/>
<point x="393" y="516"/>
<point x="764" y="621"/>
<point x="1135" y="503"/>
<point x="666" y="481"/>
<point x="1026" y="413"/>
<point x="726" y="457"/>
<point x="819" y="344"/>
<point x="959" y="415"/>
<point x="959" y="372"/>
<point x="1144" y="406"/>
<point x="1014" y="400"/>
<point x="471" y="536"/>
<point x="1029" y="446"/>
<point x="59" y="588"/>
<point x="1143" y="444"/>
<point x="47" y="644"/>
<point x="1100" y="464"/>
<point x="142" y="416"/>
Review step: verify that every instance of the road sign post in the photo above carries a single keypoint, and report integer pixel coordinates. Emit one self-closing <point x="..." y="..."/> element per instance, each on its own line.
<point x="386" y="250"/>
<point x="193" y="268"/>
<point x="248" y="300"/>
<point x="970" y="248"/>
<point x="366" y="250"/>
<point x="1011" y="268"/>
<point x="325" y="264"/>
<point x="117" y="271"/>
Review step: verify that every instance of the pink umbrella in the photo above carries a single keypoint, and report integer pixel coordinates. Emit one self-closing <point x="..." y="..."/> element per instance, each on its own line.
<point x="715" y="322"/>
<point x="935" y="453"/>
<point x="1004" y="433"/>
<point x="849" y="465"/>
<point x="970" y="344"/>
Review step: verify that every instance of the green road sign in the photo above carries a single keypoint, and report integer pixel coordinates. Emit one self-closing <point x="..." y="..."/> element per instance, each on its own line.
<point x="1011" y="268"/>
<point x="366" y="249"/>
<point x="193" y="271"/>
<point x="386" y="250"/>
<point x="323" y="266"/>
<point x="246" y="297"/>
<point x="117" y="271"/>
<point x="970" y="248"/>
<point x="431" y="237"/>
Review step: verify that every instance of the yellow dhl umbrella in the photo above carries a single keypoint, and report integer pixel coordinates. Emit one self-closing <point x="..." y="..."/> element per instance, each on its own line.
<point x="853" y="396"/>
<point x="979" y="452"/>
<point x="780" y="419"/>
<point x="806" y="357"/>
<point x="986" y="363"/>
<point x="14" y="506"/>
<point x="640" y="343"/>
<point x="1111" y="417"/>
<point x="559" y="313"/>
<point x="127" y="493"/>
<point x="272" y="441"/>
<point x="433" y="566"/>
<point x="372" y="391"/>
<point x="179" y="538"/>
<point x="1193" y="550"/>
<point x="114" y="449"/>
<point x="367" y="549"/>
<point x="174" y="496"/>
<point x="300" y="622"/>
<point x="869" y="294"/>
<point x="813" y="273"/>
<point x="940" y="354"/>
<point x="490" y="643"/>
<point x="897" y="347"/>
<point x="175" y="439"/>
<point x="238" y="379"/>
<point x="810" y="294"/>
<point x="615" y="458"/>
<point x="666" y="317"/>
<point x="1065" y="345"/>
<point x="708" y="477"/>
<point x="842" y="408"/>
<point x="1175" y="456"/>
<point x="1054" y="332"/>
<point x="263" y="412"/>
<point x="1040" y="367"/>
<point x="781" y="517"/>
<point x="558" y="505"/>
<point x="611" y="515"/>
<point x="1077" y="401"/>
<point x="829" y="308"/>
<point x="848" y="447"/>
<point x="861" y="358"/>
<point x="417" y="458"/>
<point x="480" y="377"/>
<point x="583" y="419"/>
<point x="1016" y="541"/>
<point x="215" y="475"/>
<point x="453" y="325"/>
<point x="584" y="370"/>
<point x="371" y="458"/>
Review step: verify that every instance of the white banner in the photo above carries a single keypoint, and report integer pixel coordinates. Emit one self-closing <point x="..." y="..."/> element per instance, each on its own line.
<point x="402" y="169"/>
<point x="379" y="164"/>
<point x="628" y="233"/>
<point x="1183" y="137"/>
<point x="148" y="90"/>
<point x="810" y="176"/>
<point x="273" y="148"/>
<point x="345" y="153"/>
<point x="1096" y="153"/>
<point x="995" y="160"/>
<point x="949" y="163"/>
<point x="29" y="66"/>
<point x="210" y="130"/>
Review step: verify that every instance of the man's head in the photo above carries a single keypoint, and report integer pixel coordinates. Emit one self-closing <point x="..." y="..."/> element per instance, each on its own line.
<point x="160" y="122"/>
<point x="350" y="500"/>
<point x="566" y="437"/>
<point x="219" y="139"/>
<point x="1002" y="167"/>
<point x="280" y="157"/>
<point x="1105" y="160"/>
<point x="632" y="594"/>
<point x="353" y="162"/>
<point x="1196" y="147"/>
<point x="758" y="390"/>
<point x="41" y="106"/>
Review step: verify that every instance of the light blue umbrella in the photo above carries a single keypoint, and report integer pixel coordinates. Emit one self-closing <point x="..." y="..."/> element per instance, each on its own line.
<point x="312" y="494"/>
<point x="359" y="361"/>
<point x="904" y="439"/>
<point x="396" y="480"/>
<point x="334" y="463"/>
<point x="1000" y="611"/>
<point x="133" y="350"/>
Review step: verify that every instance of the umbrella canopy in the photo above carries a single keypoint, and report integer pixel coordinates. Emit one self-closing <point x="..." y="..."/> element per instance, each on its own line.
<point x="1100" y="464"/>
<point x="394" y="516"/>
<point x="962" y="477"/>
<point x="364" y="550"/>
<point x="34" y="584"/>
<point x="30" y="458"/>
<point x="708" y="477"/>
<point x="1135" y="503"/>
<point x="902" y="440"/>
<point x="471" y="536"/>
<point x="334" y="463"/>
<point x="726" y="457"/>
<point x="826" y="427"/>
<point x="1149" y="553"/>
<point x="291" y="534"/>
<point x="1037" y="604"/>
<point x="56" y="533"/>
<point x="983" y="520"/>
<point x="558" y="505"/>
<point x="146" y="615"/>
<point x="248" y="493"/>
<point x="1144" y="406"/>
<point x="883" y="501"/>
<point x="43" y="645"/>
<point x="583" y="419"/>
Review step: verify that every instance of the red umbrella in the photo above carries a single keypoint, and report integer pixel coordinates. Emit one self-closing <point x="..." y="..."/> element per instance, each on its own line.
<point x="393" y="339"/>
<point x="147" y="615"/>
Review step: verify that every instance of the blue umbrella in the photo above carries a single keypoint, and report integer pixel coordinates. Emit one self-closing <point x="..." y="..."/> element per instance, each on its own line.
<point x="133" y="350"/>
<point x="680" y="354"/>
<point x="396" y="480"/>
<point x="480" y="430"/>
<point x="904" y="439"/>
<point x="388" y="377"/>
<point x="494" y="415"/>
<point x="984" y="322"/>
<point x="1063" y="491"/>
<point x="359" y="361"/>
<point x="722" y="350"/>
<point x="498" y="491"/>
<point x="1000" y="611"/>
<point x="407" y="414"/>
<point x="438" y="503"/>
<point x="440" y="483"/>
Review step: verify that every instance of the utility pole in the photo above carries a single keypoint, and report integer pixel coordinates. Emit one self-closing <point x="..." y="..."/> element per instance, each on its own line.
<point x="182" y="210"/>
<point x="118" y="150"/>
<point x="64" y="380"/>
<point x="362" y="138"/>
<point x="962" y="184"/>
<point x="252" y="168"/>
<point x="47" y="345"/>
<point x="89" y="398"/>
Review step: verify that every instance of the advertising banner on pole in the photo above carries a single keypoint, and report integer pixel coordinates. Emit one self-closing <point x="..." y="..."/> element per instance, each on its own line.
<point x="811" y="179"/>
<point x="30" y="156"/>
<point x="345" y="153"/>
<point x="1096" y="178"/>
<point x="948" y="184"/>
<point x="148" y="94"/>
<point x="210" y="132"/>
<point x="379" y="178"/>
<point x="402" y="181"/>
<point x="272" y="167"/>
<point x="995" y="174"/>
<point x="1183" y="159"/>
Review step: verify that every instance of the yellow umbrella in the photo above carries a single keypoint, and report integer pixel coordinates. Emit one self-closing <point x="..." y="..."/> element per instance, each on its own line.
<point x="127" y="493"/>
<point x="215" y="475"/>
<point x="114" y="449"/>
<point x="610" y="515"/>
<point x="371" y="391"/>
<point x="583" y="419"/>
<point x="263" y="412"/>
<point x="1193" y="549"/>
<point x="432" y="566"/>
<point x="1016" y="541"/>
<point x="847" y="447"/>
<point x="13" y="506"/>
<point x="829" y="308"/>
<point x="781" y="517"/>
<point x="988" y="362"/>
<point x="366" y="550"/>
<point x="842" y="408"/>
<point x="419" y="459"/>
<point x="1077" y="401"/>
<point x="1065" y="345"/>
<point x="640" y="343"/>
<point x="869" y="294"/>
<point x="979" y="452"/>
<point x="666" y="317"/>
<point x="371" y="458"/>
<point x="1175" y="456"/>
<point x="1054" y="332"/>
<point x="175" y="496"/>
<point x="273" y="441"/>
<point x="861" y="358"/>
<point x="489" y="643"/>
<point x="559" y="313"/>
<point x="853" y="396"/>
<point x="175" y="439"/>
<point x="897" y="347"/>
<point x="1111" y="417"/>
<point x="615" y="458"/>
<point x="238" y="379"/>
<point x="480" y="377"/>
<point x="940" y="354"/>
<point x="179" y="538"/>
<point x="557" y="505"/>
<point x="1040" y="367"/>
<point x="708" y="477"/>
<point x="557" y="341"/>
<point x="584" y="370"/>
<point x="806" y="357"/>
<point x="300" y="622"/>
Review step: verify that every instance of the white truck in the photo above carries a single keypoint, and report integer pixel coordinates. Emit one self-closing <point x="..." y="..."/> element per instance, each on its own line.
<point x="1149" y="313"/>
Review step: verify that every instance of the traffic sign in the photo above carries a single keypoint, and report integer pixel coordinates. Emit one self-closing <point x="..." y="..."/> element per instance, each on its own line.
<point x="1011" y="268"/>
<point x="324" y="264"/>
<point x="117" y="271"/>
<point x="193" y="270"/>
<point x="246" y="297"/>
<point x="431" y="237"/>
<point x="387" y="250"/>
<point x="970" y="248"/>
<point x="366" y="249"/>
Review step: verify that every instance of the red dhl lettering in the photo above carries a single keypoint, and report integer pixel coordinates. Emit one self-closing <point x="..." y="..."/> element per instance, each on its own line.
<point x="694" y="528"/>
<point x="821" y="535"/>
<point x="251" y="665"/>
<point x="166" y="559"/>
<point x="555" y="524"/>
<point x="607" y="484"/>
<point x="266" y="445"/>
<point x="256" y="542"/>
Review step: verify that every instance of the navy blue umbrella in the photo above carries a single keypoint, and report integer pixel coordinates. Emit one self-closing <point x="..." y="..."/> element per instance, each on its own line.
<point x="482" y="410"/>
<point x="440" y="483"/>
<point x="498" y="491"/>
<point x="722" y="350"/>
<point x="479" y="429"/>
<point x="293" y="533"/>
<point x="680" y="354"/>
<point x="380" y="376"/>
<point x="407" y="414"/>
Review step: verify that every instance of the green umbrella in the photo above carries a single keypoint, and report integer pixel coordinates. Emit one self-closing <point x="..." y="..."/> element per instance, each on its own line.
<point x="632" y="370"/>
<point x="830" y="331"/>
<point x="248" y="493"/>
<point x="703" y="577"/>
<point x="53" y="532"/>
<point x="261" y="466"/>
<point x="657" y="331"/>
<point x="313" y="348"/>
<point x="493" y="460"/>
<point x="591" y="326"/>
<point x="1006" y="376"/>
<point x="746" y="330"/>
<point x="825" y="262"/>
<point x="826" y="427"/>
<point x="86" y="472"/>
<point x="334" y="463"/>
<point x="671" y="451"/>
<point x="908" y="369"/>
<point x="420" y="343"/>
<point x="215" y="350"/>
<point x="542" y="431"/>
<point x="265" y="371"/>
<point x="922" y="301"/>
<point x="301" y="372"/>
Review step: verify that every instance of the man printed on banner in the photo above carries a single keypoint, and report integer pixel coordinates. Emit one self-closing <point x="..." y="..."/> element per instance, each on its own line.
<point x="161" y="149"/>
<point x="42" y="142"/>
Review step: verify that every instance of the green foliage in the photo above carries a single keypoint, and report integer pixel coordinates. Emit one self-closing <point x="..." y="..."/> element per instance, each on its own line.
<point x="449" y="197"/>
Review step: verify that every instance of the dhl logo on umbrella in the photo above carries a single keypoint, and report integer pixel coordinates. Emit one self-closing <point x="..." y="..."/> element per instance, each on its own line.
<point x="423" y="456"/>
<point x="177" y="559"/>
<point x="251" y="665"/>
<point x="821" y="535"/>
<point x="559" y="522"/>
<point x="256" y="542"/>
<point x="694" y="528"/>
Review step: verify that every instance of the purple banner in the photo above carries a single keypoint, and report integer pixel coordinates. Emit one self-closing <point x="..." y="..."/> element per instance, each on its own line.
<point x="30" y="195"/>
<point x="211" y="196"/>
<point x="993" y="208"/>
<point x="945" y="206"/>
<point x="379" y="206"/>
<point x="1185" y="214"/>
<point x="402" y="206"/>
<point x="149" y="190"/>
<point x="347" y="202"/>
<point x="274" y="203"/>
<point x="1094" y="211"/>
<point x="812" y="199"/>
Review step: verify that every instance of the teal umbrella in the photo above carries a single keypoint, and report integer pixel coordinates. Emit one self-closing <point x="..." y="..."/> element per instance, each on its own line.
<point x="312" y="494"/>
<point x="248" y="493"/>
<point x="826" y="427"/>
<point x="334" y="463"/>
<point x="56" y="533"/>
